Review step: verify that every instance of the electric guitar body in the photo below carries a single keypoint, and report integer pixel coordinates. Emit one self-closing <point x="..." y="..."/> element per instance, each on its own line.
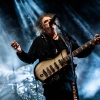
<point x="46" y="69"/>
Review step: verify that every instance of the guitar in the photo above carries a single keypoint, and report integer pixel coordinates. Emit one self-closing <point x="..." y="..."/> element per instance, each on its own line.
<point x="46" y="69"/>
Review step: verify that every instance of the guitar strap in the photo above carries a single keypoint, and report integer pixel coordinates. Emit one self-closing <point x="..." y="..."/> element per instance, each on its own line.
<point x="74" y="85"/>
<point x="63" y="39"/>
<point x="61" y="36"/>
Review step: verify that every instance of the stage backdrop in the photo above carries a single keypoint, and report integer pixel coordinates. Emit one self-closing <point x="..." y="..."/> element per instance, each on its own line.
<point x="79" y="18"/>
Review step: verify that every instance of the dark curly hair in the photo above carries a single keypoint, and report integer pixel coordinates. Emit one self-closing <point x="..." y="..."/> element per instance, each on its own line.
<point x="39" y="21"/>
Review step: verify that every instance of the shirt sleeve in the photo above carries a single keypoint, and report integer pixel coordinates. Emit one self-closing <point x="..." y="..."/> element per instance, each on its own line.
<point x="31" y="56"/>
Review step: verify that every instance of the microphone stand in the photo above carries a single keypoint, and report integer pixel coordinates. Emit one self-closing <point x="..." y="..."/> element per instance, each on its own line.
<point x="70" y="39"/>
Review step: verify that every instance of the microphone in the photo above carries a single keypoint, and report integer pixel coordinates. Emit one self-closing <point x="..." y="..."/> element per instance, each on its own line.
<point x="52" y="20"/>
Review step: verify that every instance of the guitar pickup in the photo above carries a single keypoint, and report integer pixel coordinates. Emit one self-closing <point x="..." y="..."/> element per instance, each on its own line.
<point x="45" y="73"/>
<point x="52" y="69"/>
<point x="48" y="71"/>
<point x="57" y="67"/>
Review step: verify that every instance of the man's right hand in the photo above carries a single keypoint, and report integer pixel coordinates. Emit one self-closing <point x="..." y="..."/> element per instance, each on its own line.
<point x="16" y="46"/>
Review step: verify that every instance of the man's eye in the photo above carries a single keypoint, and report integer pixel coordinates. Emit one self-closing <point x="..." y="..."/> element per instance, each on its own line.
<point x="45" y="21"/>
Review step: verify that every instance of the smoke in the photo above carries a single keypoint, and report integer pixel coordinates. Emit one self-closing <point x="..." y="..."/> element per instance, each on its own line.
<point x="13" y="71"/>
<point x="88" y="76"/>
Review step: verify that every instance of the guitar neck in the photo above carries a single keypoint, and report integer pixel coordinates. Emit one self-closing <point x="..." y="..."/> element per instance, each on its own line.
<point x="80" y="49"/>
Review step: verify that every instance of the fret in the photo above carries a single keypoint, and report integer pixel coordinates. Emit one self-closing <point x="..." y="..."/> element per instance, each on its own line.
<point x="77" y="51"/>
<point x="85" y="45"/>
<point x="90" y="42"/>
<point x="82" y="48"/>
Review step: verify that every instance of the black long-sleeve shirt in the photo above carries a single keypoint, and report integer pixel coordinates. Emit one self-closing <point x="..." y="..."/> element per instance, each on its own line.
<point x="44" y="47"/>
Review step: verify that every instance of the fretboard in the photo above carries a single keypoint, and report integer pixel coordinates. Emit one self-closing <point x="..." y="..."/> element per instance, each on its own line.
<point x="80" y="49"/>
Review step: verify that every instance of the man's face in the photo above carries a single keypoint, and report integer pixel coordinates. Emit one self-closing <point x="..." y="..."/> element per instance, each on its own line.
<point x="46" y="26"/>
<point x="45" y="22"/>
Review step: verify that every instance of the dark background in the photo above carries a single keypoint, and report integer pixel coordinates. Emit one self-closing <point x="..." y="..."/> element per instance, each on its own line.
<point x="79" y="18"/>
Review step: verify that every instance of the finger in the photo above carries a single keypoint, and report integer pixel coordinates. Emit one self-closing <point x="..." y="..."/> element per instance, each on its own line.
<point x="98" y="38"/>
<point x="97" y="35"/>
<point x="16" y="47"/>
<point x="15" y="44"/>
<point x="12" y="43"/>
